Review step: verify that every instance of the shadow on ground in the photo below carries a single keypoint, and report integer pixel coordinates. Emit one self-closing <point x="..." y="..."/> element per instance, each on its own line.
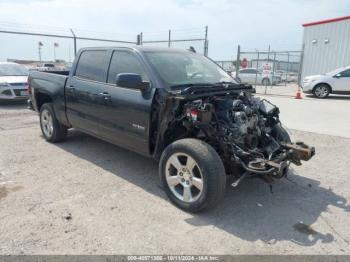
<point x="250" y="211"/>
<point x="332" y="97"/>
<point x="13" y="104"/>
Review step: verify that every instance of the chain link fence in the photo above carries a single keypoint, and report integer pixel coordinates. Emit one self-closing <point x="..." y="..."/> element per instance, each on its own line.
<point x="270" y="72"/>
<point x="196" y="38"/>
<point x="36" y="44"/>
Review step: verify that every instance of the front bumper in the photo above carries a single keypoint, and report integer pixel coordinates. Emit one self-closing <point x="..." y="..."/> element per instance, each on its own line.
<point x="278" y="167"/>
<point x="13" y="94"/>
<point x="307" y="91"/>
<point x="307" y="87"/>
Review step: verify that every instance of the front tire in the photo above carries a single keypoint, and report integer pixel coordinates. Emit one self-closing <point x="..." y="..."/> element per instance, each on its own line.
<point x="192" y="175"/>
<point x="52" y="130"/>
<point x="321" y="91"/>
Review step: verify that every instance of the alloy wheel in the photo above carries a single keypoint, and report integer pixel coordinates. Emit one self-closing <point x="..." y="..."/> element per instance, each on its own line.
<point x="47" y="123"/>
<point x="184" y="177"/>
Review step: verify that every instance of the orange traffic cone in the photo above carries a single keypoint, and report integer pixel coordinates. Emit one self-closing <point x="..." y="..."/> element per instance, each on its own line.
<point x="298" y="94"/>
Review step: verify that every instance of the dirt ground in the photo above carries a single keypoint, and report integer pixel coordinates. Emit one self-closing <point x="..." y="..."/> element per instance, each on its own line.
<point x="85" y="196"/>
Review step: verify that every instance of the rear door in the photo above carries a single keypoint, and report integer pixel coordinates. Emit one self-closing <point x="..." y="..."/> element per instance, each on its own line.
<point x="85" y="102"/>
<point x="126" y="120"/>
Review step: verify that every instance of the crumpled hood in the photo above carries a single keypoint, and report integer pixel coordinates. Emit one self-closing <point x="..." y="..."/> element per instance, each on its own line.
<point x="13" y="79"/>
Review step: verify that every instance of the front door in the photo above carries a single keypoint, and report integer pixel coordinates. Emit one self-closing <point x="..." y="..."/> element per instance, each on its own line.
<point x="126" y="121"/>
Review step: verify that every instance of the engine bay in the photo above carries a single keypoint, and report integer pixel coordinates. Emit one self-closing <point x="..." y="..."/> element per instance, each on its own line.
<point x="245" y="131"/>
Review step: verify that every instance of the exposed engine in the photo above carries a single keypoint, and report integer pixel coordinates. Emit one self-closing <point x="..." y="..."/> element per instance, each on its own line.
<point x="246" y="132"/>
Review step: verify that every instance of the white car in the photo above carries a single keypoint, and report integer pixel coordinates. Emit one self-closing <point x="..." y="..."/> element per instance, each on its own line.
<point x="253" y="76"/>
<point x="46" y="67"/>
<point x="13" y="81"/>
<point x="334" y="82"/>
<point x="287" y="76"/>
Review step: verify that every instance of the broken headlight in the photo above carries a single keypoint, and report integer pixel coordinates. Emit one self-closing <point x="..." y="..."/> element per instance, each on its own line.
<point x="268" y="109"/>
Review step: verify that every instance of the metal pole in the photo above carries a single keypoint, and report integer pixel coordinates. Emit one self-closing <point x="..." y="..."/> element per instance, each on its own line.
<point x="287" y="69"/>
<point x="74" y="41"/>
<point x="141" y="38"/>
<point x="300" y="71"/>
<point x="206" y="41"/>
<point x="138" y="39"/>
<point x="273" y="68"/>
<point x="39" y="47"/>
<point x="237" y="59"/>
<point x="268" y="54"/>
<point x="169" y="38"/>
<point x="257" y="66"/>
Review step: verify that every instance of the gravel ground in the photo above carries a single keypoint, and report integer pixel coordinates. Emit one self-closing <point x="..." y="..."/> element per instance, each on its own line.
<point x="85" y="196"/>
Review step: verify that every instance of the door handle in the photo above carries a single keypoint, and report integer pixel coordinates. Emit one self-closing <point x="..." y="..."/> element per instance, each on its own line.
<point x="71" y="89"/>
<point x="106" y="96"/>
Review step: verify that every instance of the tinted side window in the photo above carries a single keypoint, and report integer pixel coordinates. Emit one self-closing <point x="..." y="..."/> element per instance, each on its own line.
<point x="125" y="62"/>
<point x="91" y="65"/>
<point x="345" y="73"/>
<point x="243" y="71"/>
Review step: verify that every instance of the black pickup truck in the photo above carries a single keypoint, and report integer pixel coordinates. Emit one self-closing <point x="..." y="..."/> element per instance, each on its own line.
<point x="176" y="106"/>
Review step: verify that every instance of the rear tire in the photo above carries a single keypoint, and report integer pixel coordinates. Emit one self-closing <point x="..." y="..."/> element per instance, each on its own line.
<point x="321" y="91"/>
<point x="52" y="130"/>
<point x="192" y="175"/>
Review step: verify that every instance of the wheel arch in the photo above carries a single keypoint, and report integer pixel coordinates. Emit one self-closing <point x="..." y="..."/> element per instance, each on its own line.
<point x="323" y="83"/>
<point x="42" y="98"/>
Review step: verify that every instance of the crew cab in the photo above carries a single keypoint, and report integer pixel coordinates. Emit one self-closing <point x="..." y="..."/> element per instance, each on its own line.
<point x="175" y="106"/>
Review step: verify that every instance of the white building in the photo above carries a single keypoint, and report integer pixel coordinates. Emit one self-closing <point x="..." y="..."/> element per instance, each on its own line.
<point x="326" y="46"/>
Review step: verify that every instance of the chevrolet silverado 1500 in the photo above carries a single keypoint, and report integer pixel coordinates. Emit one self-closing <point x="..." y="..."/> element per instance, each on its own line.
<point x="175" y="106"/>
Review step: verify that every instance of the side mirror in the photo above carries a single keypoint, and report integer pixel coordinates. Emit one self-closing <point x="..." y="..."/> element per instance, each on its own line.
<point x="133" y="81"/>
<point x="337" y="75"/>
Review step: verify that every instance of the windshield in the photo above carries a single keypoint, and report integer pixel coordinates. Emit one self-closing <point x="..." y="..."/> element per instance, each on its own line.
<point x="177" y="68"/>
<point x="334" y="72"/>
<point x="13" y="70"/>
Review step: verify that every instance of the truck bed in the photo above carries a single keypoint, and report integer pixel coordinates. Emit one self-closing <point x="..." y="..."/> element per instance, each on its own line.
<point x="53" y="85"/>
<point x="48" y="80"/>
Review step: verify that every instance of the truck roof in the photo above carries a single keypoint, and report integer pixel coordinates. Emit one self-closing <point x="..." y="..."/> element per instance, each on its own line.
<point x="140" y="48"/>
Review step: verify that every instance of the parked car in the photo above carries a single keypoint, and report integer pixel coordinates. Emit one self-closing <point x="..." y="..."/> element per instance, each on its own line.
<point x="46" y="67"/>
<point x="334" y="82"/>
<point x="13" y="81"/>
<point x="254" y="76"/>
<point x="175" y="106"/>
<point x="287" y="76"/>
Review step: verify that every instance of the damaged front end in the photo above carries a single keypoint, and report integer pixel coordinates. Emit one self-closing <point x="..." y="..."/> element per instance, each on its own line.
<point x="244" y="130"/>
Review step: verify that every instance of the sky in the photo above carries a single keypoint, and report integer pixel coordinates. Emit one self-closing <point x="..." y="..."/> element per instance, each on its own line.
<point x="254" y="24"/>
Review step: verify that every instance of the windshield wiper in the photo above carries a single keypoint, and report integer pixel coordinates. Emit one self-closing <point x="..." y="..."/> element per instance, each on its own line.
<point x="225" y="83"/>
<point x="191" y="84"/>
